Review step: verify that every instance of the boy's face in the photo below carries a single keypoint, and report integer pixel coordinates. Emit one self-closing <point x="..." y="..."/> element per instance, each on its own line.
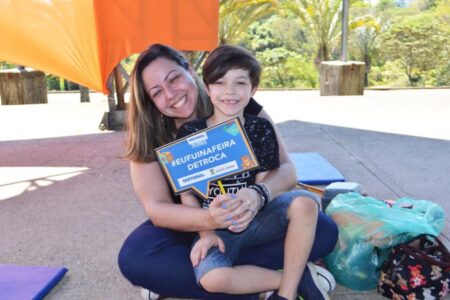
<point x="231" y="94"/>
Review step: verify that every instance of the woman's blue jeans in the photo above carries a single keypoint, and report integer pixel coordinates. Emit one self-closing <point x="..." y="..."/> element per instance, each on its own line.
<point x="157" y="259"/>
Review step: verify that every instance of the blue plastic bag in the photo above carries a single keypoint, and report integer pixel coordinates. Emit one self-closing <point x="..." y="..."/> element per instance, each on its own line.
<point x="369" y="228"/>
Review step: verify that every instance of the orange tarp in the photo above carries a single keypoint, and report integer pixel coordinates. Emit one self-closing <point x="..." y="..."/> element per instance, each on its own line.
<point x="83" y="40"/>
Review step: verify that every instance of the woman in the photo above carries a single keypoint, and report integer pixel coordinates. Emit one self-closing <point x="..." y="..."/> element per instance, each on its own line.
<point x="165" y="94"/>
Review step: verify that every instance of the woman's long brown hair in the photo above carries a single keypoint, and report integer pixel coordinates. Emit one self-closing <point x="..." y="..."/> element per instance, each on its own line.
<point x="147" y="127"/>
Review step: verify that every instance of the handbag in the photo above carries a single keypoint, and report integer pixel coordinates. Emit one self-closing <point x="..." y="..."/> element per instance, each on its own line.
<point x="369" y="228"/>
<point x="417" y="269"/>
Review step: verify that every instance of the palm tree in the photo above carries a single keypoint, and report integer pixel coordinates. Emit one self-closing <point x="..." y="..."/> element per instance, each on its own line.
<point x="237" y="16"/>
<point x="363" y="42"/>
<point x="322" y="23"/>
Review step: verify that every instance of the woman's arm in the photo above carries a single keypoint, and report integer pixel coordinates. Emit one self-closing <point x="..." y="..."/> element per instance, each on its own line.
<point x="187" y="198"/>
<point x="153" y="191"/>
<point x="284" y="178"/>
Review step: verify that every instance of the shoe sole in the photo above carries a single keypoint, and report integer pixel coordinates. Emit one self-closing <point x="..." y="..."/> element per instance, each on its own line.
<point x="315" y="278"/>
<point x="329" y="281"/>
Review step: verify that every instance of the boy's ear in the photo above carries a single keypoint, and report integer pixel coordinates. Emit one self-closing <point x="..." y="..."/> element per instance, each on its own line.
<point x="207" y="90"/>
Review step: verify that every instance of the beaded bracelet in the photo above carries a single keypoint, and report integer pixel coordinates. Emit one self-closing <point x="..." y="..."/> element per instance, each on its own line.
<point x="262" y="193"/>
<point x="267" y="191"/>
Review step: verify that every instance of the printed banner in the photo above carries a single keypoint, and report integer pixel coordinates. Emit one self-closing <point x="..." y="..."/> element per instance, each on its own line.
<point x="213" y="153"/>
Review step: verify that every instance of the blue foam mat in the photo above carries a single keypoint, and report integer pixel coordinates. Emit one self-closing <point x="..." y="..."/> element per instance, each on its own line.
<point x="28" y="282"/>
<point x="312" y="168"/>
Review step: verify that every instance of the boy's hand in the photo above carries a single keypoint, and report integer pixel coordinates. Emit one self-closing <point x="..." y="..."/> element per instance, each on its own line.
<point x="201" y="247"/>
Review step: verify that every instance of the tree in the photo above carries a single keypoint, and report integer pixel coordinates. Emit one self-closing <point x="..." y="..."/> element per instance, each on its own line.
<point x="321" y="20"/>
<point x="420" y="43"/>
<point x="283" y="68"/>
<point x="365" y="32"/>
<point x="237" y="16"/>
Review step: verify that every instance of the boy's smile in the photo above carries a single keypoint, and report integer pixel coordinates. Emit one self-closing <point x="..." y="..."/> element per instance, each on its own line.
<point x="230" y="94"/>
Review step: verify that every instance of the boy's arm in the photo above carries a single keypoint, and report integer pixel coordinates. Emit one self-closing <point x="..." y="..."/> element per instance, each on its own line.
<point x="208" y="238"/>
<point x="188" y="198"/>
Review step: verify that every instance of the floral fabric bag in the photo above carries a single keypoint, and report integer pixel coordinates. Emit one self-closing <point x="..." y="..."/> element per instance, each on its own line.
<point x="417" y="269"/>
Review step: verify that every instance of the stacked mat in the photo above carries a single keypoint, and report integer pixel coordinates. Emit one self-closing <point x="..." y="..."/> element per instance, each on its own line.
<point x="314" y="169"/>
<point x="28" y="282"/>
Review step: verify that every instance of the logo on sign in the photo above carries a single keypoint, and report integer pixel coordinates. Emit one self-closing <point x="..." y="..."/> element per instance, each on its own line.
<point x="197" y="140"/>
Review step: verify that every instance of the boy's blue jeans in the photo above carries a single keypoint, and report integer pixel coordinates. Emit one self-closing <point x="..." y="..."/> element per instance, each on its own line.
<point x="157" y="259"/>
<point x="269" y="225"/>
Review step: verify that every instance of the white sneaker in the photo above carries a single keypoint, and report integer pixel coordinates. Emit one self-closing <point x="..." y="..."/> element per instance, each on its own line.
<point x="325" y="278"/>
<point x="149" y="295"/>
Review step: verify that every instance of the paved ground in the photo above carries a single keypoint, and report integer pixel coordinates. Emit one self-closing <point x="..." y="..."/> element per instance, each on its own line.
<point x="66" y="199"/>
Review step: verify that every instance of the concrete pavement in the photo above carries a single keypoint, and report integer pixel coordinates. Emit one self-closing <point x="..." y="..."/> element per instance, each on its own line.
<point x="66" y="199"/>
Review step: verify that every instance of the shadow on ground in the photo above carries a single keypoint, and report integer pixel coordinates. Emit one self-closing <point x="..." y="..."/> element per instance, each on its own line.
<point x="81" y="221"/>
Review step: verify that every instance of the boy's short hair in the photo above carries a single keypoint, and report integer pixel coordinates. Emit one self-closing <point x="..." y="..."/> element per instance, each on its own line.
<point x="227" y="57"/>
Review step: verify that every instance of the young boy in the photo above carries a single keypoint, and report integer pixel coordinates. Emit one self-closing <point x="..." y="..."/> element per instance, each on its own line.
<point x="231" y="75"/>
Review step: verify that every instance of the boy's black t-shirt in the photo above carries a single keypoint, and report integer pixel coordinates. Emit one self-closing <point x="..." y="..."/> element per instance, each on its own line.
<point x="262" y="138"/>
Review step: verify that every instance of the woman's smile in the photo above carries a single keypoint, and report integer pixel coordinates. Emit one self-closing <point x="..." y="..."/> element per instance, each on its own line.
<point x="180" y="102"/>
<point x="171" y="88"/>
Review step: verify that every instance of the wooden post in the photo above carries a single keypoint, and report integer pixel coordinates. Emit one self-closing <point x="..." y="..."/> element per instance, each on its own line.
<point x="342" y="78"/>
<point x="26" y="86"/>
<point x="119" y="88"/>
<point x="115" y="118"/>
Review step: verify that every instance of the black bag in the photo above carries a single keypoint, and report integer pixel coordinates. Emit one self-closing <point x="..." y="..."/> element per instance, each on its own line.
<point x="417" y="269"/>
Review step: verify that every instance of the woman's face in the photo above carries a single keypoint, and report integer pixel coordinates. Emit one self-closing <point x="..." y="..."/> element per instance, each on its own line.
<point x="171" y="88"/>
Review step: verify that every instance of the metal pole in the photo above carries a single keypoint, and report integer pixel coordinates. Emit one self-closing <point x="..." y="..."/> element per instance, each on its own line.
<point x="345" y="8"/>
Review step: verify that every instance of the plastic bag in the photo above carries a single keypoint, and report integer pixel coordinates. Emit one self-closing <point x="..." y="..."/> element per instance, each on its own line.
<point x="369" y="228"/>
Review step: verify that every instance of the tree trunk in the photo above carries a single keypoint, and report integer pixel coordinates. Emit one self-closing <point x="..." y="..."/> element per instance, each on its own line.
<point x="368" y="63"/>
<point x="322" y="55"/>
<point x="84" y="94"/>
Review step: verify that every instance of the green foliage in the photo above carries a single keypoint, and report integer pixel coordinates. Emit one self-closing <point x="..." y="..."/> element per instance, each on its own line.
<point x="128" y="63"/>
<point x="283" y="68"/>
<point x="275" y="32"/>
<point x="321" y="22"/>
<point x="6" y="65"/>
<point x="237" y="16"/>
<point x="62" y="85"/>
<point x="52" y="82"/>
<point x="389" y="74"/>
<point x="419" y="43"/>
<point x="423" y="5"/>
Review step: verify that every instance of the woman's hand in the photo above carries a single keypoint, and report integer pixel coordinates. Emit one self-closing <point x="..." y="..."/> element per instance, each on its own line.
<point x="250" y="202"/>
<point x="201" y="247"/>
<point x="222" y="210"/>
